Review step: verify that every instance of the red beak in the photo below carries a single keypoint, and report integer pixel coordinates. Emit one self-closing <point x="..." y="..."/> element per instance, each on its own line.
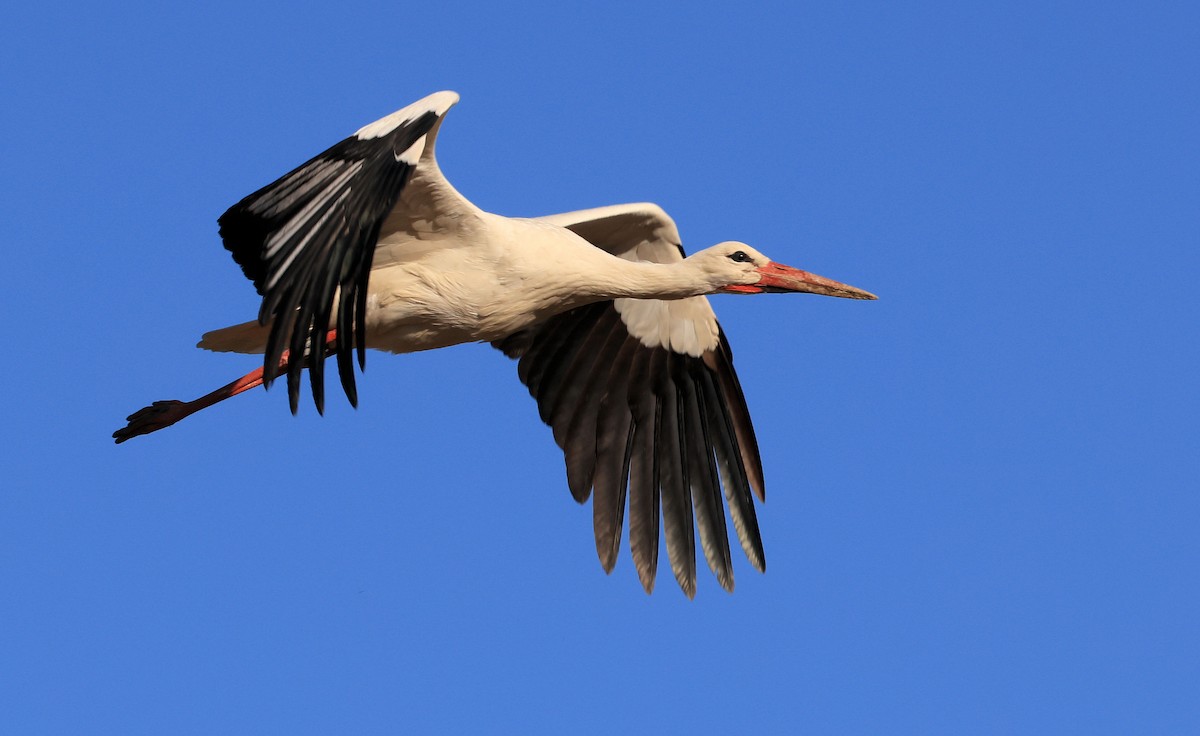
<point x="778" y="278"/>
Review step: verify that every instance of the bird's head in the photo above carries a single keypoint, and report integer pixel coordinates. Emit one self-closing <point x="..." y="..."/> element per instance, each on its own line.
<point x="736" y="268"/>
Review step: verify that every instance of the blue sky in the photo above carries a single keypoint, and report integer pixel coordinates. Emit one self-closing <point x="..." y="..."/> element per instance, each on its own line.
<point x="982" y="490"/>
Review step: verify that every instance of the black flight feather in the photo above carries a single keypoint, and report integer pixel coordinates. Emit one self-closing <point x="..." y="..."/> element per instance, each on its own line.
<point x="311" y="235"/>
<point x="659" y="430"/>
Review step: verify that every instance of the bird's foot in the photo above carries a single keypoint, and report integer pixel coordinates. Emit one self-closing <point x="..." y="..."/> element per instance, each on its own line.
<point x="152" y="418"/>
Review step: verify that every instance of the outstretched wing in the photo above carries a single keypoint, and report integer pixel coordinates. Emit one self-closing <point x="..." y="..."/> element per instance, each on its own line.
<point x="307" y="241"/>
<point x="643" y="399"/>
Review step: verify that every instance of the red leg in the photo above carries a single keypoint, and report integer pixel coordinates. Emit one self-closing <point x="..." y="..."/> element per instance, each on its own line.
<point x="165" y="413"/>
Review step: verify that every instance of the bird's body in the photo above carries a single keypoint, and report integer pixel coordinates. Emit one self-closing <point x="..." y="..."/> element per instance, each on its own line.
<point x="368" y="246"/>
<point x="491" y="277"/>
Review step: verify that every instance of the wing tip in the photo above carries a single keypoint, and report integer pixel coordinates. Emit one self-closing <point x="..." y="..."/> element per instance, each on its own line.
<point x="688" y="587"/>
<point x="437" y="103"/>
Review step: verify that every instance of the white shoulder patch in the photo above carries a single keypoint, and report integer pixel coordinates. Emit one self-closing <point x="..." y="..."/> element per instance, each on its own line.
<point x="437" y="103"/>
<point x="686" y="326"/>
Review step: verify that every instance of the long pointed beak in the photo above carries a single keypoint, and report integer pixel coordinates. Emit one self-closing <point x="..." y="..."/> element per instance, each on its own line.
<point x="777" y="277"/>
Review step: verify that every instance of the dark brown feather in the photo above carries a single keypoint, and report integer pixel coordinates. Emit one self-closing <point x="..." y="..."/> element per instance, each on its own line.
<point x="614" y="444"/>
<point x="563" y="391"/>
<point x="733" y="471"/>
<point x="702" y="473"/>
<point x="580" y="417"/>
<point x="662" y="431"/>
<point x="673" y="477"/>
<point x="720" y="361"/>
<point x="643" y="473"/>
<point x="548" y="373"/>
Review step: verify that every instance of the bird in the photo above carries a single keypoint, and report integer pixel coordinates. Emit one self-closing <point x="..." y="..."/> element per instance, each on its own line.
<point x="367" y="245"/>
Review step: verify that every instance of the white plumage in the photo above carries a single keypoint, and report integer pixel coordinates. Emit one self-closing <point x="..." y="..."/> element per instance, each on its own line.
<point x="368" y="246"/>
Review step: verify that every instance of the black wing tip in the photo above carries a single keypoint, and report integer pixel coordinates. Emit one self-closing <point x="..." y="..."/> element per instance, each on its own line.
<point x="684" y="571"/>
<point x="288" y="242"/>
<point x="647" y="581"/>
<point x="712" y="418"/>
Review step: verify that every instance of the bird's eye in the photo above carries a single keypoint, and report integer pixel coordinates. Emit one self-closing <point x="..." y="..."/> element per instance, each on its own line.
<point x="739" y="257"/>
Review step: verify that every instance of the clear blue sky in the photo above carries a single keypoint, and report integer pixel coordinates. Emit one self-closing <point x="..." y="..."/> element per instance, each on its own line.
<point x="983" y="490"/>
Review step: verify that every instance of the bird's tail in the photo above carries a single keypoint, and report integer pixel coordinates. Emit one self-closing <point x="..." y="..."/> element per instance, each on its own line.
<point x="248" y="337"/>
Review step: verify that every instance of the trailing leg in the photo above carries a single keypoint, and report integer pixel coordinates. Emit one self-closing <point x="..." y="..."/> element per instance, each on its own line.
<point x="162" y="414"/>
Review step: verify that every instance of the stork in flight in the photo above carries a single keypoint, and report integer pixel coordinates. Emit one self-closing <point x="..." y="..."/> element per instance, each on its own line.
<point x="368" y="246"/>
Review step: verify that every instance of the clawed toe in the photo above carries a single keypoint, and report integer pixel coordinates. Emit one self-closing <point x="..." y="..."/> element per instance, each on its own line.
<point x="165" y="413"/>
<point x="150" y="419"/>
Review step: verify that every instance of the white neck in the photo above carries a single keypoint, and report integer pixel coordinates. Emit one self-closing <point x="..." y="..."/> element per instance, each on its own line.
<point x="561" y="267"/>
<point x="640" y="280"/>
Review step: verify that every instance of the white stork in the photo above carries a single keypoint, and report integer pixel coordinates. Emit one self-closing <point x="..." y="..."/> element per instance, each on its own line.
<point x="368" y="246"/>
